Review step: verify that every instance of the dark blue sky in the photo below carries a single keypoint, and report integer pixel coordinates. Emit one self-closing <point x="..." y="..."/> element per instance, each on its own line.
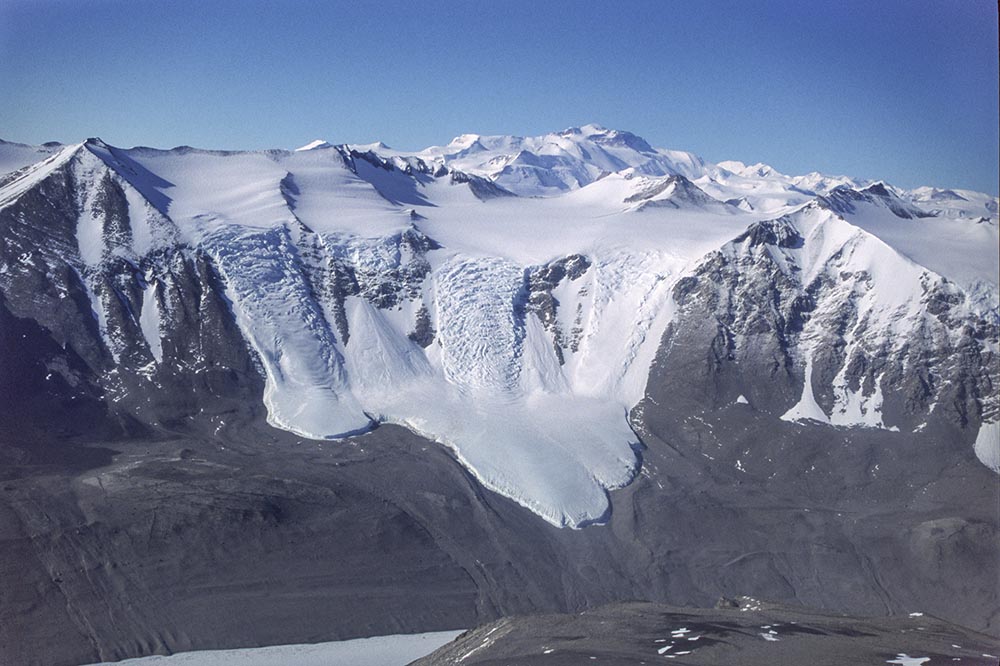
<point x="903" y="90"/>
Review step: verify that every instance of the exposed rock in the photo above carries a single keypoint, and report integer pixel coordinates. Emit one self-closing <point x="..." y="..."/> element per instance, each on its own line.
<point x="541" y="281"/>
<point x="750" y="633"/>
<point x="423" y="331"/>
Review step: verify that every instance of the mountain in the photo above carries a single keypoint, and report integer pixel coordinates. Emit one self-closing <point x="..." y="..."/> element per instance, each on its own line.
<point x="554" y="163"/>
<point x="578" y="318"/>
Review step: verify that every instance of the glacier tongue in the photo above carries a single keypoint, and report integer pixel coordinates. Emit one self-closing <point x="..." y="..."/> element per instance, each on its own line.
<point x="554" y="454"/>
<point x="492" y="390"/>
<point x="306" y="388"/>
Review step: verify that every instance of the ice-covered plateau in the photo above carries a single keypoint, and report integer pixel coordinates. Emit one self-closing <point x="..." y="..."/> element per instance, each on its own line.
<point x="506" y="296"/>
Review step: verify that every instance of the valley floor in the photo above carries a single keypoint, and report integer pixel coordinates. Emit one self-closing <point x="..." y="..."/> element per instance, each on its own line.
<point x="256" y="537"/>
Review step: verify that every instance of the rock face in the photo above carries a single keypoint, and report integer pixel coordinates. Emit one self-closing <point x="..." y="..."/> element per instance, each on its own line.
<point x="726" y="403"/>
<point x="541" y="281"/>
<point x="807" y="334"/>
<point x="125" y="312"/>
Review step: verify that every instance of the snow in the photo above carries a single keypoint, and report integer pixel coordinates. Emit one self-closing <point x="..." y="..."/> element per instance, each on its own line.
<point x="551" y="164"/>
<point x="480" y="341"/>
<point x="90" y="237"/>
<point x="139" y="212"/>
<point x="206" y="190"/>
<point x="902" y="659"/>
<point x="954" y="203"/>
<point x="305" y="384"/>
<point x="14" y="156"/>
<point x="312" y="145"/>
<point x="855" y="408"/>
<point x="150" y="229"/>
<point x="396" y="650"/>
<point x="35" y="173"/>
<point x="90" y="221"/>
<point x="149" y="322"/>
<point x="962" y="250"/>
<point x="987" y="446"/>
<point x="100" y="314"/>
<point x="806" y="408"/>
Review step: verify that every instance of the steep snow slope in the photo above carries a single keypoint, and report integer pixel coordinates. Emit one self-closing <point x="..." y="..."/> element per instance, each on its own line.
<point x="518" y="331"/>
<point x="26" y="177"/>
<point x="14" y="156"/>
<point x="954" y="247"/>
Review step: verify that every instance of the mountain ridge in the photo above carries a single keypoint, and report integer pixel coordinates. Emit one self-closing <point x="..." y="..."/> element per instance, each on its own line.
<point x="813" y="181"/>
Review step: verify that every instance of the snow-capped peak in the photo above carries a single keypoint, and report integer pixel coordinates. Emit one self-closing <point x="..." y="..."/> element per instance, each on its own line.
<point x="551" y="164"/>
<point x="758" y="170"/>
<point x="313" y="145"/>
<point x="591" y="129"/>
<point x="376" y="147"/>
<point x="463" y="141"/>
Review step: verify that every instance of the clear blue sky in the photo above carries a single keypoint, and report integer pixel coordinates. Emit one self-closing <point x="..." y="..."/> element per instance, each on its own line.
<point x="904" y="90"/>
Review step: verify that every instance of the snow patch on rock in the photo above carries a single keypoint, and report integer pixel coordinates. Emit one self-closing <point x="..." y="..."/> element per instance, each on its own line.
<point x="149" y="322"/>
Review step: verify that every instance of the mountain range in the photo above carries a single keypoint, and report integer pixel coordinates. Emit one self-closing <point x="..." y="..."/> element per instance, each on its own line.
<point x="668" y="357"/>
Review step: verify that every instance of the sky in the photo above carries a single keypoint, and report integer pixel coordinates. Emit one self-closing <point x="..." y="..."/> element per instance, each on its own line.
<point x="903" y="90"/>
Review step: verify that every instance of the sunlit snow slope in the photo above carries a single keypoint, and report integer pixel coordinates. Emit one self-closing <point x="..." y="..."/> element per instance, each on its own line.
<point x="505" y="296"/>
